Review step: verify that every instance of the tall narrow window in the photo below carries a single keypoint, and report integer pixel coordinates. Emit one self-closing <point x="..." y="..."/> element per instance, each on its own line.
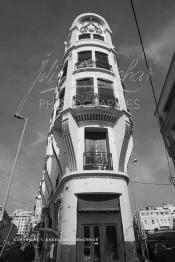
<point x="84" y="59"/>
<point x="95" y="142"/>
<point x="84" y="91"/>
<point x="61" y="97"/>
<point x="64" y="70"/>
<point x="84" y="86"/>
<point x="96" y="154"/>
<point x="106" y="93"/>
<point x="102" y="60"/>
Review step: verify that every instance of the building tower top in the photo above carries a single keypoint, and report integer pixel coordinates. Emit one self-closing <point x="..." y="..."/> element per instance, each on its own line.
<point x="92" y="19"/>
<point x="89" y="27"/>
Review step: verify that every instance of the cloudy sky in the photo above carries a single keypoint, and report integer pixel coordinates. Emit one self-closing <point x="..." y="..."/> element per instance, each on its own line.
<point x="32" y="31"/>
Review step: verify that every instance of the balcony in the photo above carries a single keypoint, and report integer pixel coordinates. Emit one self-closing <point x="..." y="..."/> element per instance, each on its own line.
<point x="93" y="64"/>
<point x="94" y="100"/>
<point x="98" y="161"/>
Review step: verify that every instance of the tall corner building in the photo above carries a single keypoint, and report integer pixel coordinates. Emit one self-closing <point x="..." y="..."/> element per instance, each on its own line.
<point x="85" y="181"/>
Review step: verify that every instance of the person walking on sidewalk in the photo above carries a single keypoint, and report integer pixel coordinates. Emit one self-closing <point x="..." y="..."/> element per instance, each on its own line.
<point x="29" y="253"/>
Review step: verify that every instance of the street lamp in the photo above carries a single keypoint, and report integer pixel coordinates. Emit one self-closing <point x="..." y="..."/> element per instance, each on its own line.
<point x="14" y="165"/>
<point x="133" y="161"/>
<point x="138" y="219"/>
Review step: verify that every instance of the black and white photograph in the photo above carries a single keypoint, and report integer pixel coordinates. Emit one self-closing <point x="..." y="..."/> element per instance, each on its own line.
<point x="87" y="131"/>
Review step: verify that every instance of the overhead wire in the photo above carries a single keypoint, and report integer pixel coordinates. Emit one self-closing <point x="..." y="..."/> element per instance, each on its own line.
<point x="151" y="83"/>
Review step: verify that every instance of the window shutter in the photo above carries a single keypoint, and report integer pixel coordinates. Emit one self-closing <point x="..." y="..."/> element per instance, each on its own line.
<point x="102" y="60"/>
<point x="105" y="91"/>
<point x="98" y="202"/>
<point x="84" y="56"/>
<point x="84" y="86"/>
<point x="65" y="70"/>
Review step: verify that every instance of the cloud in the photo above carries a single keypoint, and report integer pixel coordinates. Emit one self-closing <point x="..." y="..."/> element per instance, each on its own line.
<point x="152" y="166"/>
<point x="158" y="48"/>
<point x="24" y="184"/>
<point x="30" y="149"/>
<point x="130" y="51"/>
<point x="39" y="140"/>
<point x="162" y="45"/>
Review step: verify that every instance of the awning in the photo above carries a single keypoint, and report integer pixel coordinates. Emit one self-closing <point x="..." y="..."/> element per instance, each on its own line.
<point x="49" y="231"/>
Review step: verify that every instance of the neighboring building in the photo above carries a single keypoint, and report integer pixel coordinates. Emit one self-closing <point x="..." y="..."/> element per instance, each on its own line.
<point x="6" y="218"/>
<point x="7" y="229"/>
<point x="85" y="182"/>
<point x="21" y="218"/>
<point x="155" y="219"/>
<point x="166" y="111"/>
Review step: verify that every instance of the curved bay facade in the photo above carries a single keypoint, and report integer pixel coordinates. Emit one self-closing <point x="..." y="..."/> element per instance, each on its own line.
<point x="85" y="182"/>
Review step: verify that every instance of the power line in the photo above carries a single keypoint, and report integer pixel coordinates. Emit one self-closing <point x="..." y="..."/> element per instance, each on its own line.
<point x="152" y="87"/>
<point x="147" y="65"/>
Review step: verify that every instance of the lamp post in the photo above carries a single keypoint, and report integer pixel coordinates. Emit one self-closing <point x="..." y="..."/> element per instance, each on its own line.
<point x="138" y="221"/>
<point x="14" y="165"/>
<point x="133" y="161"/>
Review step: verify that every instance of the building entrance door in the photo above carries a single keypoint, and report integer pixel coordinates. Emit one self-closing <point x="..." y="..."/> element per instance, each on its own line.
<point x="100" y="237"/>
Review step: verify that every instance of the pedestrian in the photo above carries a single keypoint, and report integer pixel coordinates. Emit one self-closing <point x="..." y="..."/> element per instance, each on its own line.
<point x="36" y="250"/>
<point x="14" y="254"/>
<point x="29" y="253"/>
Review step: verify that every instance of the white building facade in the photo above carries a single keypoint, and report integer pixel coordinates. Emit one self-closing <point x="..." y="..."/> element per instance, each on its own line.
<point x="157" y="218"/>
<point x="21" y="218"/>
<point x="85" y="182"/>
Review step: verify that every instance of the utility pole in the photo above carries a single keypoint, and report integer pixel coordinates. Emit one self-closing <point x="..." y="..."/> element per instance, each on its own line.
<point x="12" y="175"/>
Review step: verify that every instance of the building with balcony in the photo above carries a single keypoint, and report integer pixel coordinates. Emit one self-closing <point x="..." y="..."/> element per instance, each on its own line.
<point x="155" y="219"/>
<point x="21" y="218"/>
<point x="166" y="111"/>
<point x="84" y="188"/>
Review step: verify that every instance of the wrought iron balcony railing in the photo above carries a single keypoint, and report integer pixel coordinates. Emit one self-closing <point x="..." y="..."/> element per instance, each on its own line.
<point x="84" y="99"/>
<point x="85" y="63"/>
<point x="93" y="63"/>
<point x="98" y="161"/>
<point x="95" y="100"/>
